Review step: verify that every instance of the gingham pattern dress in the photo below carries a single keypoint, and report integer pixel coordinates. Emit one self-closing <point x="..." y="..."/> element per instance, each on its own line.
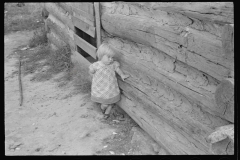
<point x="104" y="88"/>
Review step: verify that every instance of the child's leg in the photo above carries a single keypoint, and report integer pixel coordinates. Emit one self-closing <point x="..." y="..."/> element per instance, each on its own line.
<point x="108" y="109"/>
<point x="104" y="107"/>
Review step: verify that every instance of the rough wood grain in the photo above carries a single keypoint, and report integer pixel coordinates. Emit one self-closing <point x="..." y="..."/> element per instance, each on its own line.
<point x="83" y="26"/>
<point x="62" y="30"/>
<point x="199" y="49"/>
<point x="60" y="14"/>
<point x="157" y="126"/>
<point x="188" y="81"/>
<point x="224" y="147"/>
<point x="218" y="12"/>
<point x="224" y="97"/>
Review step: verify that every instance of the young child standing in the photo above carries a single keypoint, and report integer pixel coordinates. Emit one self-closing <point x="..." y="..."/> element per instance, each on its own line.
<point x="105" y="88"/>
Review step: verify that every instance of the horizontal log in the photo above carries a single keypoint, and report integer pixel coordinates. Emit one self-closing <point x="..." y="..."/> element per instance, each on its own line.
<point x="87" y="18"/>
<point x="91" y="50"/>
<point x="218" y="12"/>
<point x="186" y="80"/>
<point x="178" y="21"/>
<point x="66" y="7"/>
<point x="59" y="28"/>
<point x="221" y="12"/>
<point x="157" y="126"/>
<point x="201" y="50"/>
<point x="60" y="14"/>
<point x="84" y="26"/>
<point x="224" y="97"/>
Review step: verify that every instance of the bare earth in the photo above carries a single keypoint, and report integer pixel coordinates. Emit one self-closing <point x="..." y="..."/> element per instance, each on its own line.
<point x="50" y="122"/>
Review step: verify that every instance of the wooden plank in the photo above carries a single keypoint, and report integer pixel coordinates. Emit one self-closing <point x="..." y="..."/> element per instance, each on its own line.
<point x="84" y="26"/>
<point x="86" y="7"/>
<point x="80" y="59"/>
<point x="83" y="16"/>
<point x="98" y="22"/>
<point x="91" y="50"/>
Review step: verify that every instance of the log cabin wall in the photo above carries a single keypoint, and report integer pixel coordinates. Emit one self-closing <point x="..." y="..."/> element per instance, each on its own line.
<point x="177" y="54"/>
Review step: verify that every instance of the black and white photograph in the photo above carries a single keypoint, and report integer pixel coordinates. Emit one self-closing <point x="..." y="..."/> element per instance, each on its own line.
<point x="119" y="78"/>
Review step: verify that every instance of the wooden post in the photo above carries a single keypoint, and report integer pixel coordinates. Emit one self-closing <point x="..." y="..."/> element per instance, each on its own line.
<point x="98" y="22"/>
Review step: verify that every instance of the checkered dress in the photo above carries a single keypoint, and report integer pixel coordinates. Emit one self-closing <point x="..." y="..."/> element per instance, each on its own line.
<point x="104" y="88"/>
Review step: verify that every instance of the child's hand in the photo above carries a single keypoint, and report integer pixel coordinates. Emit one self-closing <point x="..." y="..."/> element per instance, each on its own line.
<point x="124" y="77"/>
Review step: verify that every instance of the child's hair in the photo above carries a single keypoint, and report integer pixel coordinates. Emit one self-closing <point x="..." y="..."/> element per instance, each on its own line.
<point x="104" y="49"/>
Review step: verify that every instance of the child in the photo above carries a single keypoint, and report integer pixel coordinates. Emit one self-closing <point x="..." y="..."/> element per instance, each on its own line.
<point x="105" y="88"/>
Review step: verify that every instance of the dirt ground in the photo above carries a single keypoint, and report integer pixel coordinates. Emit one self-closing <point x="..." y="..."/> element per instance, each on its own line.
<point x="52" y="121"/>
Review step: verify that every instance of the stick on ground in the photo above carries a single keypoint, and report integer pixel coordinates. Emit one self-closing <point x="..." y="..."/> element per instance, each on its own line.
<point x="20" y="81"/>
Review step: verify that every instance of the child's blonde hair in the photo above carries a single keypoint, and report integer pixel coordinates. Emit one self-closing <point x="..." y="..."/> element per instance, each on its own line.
<point x="104" y="49"/>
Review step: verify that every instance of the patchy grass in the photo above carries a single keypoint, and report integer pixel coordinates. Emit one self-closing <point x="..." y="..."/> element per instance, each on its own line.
<point x="27" y="17"/>
<point x="46" y="61"/>
<point x="39" y="38"/>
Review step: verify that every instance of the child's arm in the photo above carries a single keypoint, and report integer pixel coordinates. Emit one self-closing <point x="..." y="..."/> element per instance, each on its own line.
<point x="91" y="69"/>
<point x="120" y="72"/>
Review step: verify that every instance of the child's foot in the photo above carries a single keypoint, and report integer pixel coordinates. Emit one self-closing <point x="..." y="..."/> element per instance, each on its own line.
<point x="106" y="116"/>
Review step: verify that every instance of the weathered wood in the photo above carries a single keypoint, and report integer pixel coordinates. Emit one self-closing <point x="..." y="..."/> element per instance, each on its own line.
<point x="66" y="7"/>
<point x="91" y="50"/>
<point x="201" y="50"/>
<point x="83" y="16"/>
<point x="186" y="80"/>
<point x="224" y="147"/>
<point x="60" y="14"/>
<point x="80" y="59"/>
<point x="221" y="133"/>
<point x="84" y="26"/>
<point x="228" y="41"/>
<point x="63" y="31"/>
<point x="98" y="22"/>
<point x="157" y="126"/>
<point x="55" y="39"/>
<point x="218" y="12"/>
<point x="86" y="7"/>
<point x="224" y="97"/>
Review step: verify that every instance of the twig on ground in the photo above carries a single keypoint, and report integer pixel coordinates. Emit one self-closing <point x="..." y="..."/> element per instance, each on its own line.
<point x="20" y="82"/>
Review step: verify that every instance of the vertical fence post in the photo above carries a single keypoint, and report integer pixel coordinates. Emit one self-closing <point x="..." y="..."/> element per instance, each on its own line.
<point x="98" y="22"/>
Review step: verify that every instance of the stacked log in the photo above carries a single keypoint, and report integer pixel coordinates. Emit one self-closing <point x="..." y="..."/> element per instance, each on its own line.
<point x="177" y="55"/>
<point x="59" y="22"/>
<point x="180" y="58"/>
